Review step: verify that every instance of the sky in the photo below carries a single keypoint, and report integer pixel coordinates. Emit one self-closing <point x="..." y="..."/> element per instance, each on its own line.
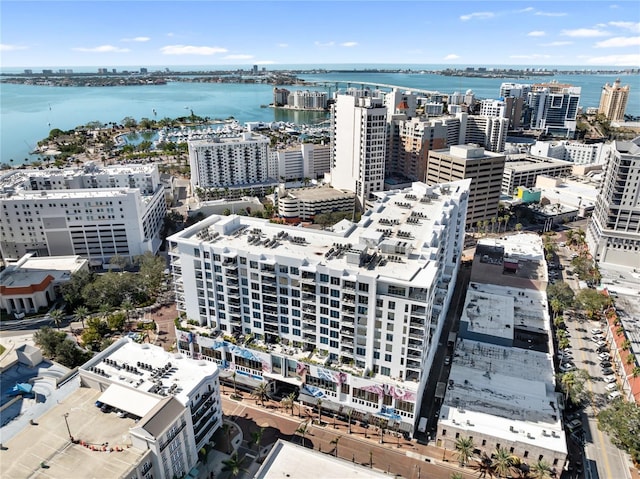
<point x="146" y="33"/>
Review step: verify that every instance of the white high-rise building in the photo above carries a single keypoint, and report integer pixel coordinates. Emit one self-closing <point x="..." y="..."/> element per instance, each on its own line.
<point x="554" y="108"/>
<point x="350" y="315"/>
<point x="517" y="90"/>
<point x="306" y="160"/>
<point x="613" y="234"/>
<point x="232" y="162"/>
<point x="359" y="148"/>
<point x="578" y="153"/>
<point x="92" y="212"/>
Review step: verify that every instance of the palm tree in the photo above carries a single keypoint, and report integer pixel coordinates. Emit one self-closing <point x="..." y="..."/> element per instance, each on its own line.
<point x="105" y="309"/>
<point x="464" y="449"/>
<point x="502" y="462"/>
<point x="572" y="383"/>
<point x="540" y="470"/>
<point x="56" y="316"/>
<point x="260" y="393"/>
<point x="302" y="430"/>
<point x="335" y="443"/>
<point x="256" y="438"/>
<point x="319" y="404"/>
<point x="289" y="401"/>
<point x="456" y="475"/>
<point x="484" y="466"/>
<point x="556" y="306"/>
<point x="233" y="465"/>
<point x="81" y="313"/>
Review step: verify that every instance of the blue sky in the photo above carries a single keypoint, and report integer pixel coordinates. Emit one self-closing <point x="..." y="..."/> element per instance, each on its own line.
<point x="139" y="33"/>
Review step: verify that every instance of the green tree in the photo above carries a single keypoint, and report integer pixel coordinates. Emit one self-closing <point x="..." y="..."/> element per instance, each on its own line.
<point x="502" y="462"/>
<point x="592" y="301"/>
<point x="261" y="393"/>
<point x="119" y="261"/>
<point x="81" y="313"/>
<point x="129" y="122"/>
<point x="621" y="421"/>
<point x="289" y="401"/>
<point x="563" y="343"/>
<point x="48" y="340"/>
<point x="57" y="315"/>
<point x="562" y="292"/>
<point x="464" y="449"/>
<point x="302" y="430"/>
<point x="556" y="306"/>
<point x="572" y="384"/>
<point x="456" y="475"/>
<point x="233" y="465"/>
<point x="69" y="355"/>
<point x="540" y="470"/>
<point x="116" y="321"/>
<point x="256" y="438"/>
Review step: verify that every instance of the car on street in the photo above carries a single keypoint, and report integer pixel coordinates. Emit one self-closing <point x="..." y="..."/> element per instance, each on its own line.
<point x="609" y="379"/>
<point x="605" y="364"/>
<point x="604" y="356"/>
<point x="596" y="339"/>
<point x="611" y="387"/>
<point x="447" y="360"/>
<point x="566" y="367"/>
<point x="601" y="344"/>
<point x="596" y="331"/>
<point x="614" y="395"/>
<point x="607" y="371"/>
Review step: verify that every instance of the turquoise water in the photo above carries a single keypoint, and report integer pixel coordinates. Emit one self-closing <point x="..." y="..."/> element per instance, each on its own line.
<point x="28" y="113"/>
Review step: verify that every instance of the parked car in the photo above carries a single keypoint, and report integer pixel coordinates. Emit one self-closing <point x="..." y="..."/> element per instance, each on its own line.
<point x="447" y="360"/>
<point x="611" y="387"/>
<point x="604" y="356"/>
<point x="607" y="371"/>
<point x="609" y="379"/>
<point x="605" y="364"/>
<point x="601" y="344"/>
<point x="614" y="395"/>
<point x="566" y="367"/>
<point x="596" y="331"/>
<point x="596" y="339"/>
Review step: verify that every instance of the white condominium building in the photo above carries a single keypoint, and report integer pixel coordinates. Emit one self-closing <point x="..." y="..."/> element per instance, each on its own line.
<point x="306" y="160"/>
<point x="95" y="213"/>
<point x="307" y="100"/>
<point x="233" y="162"/>
<point x="359" y="132"/>
<point x="578" y="153"/>
<point x="554" y="108"/>
<point x="351" y="315"/>
<point x="613" y="234"/>
<point x="175" y="400"/>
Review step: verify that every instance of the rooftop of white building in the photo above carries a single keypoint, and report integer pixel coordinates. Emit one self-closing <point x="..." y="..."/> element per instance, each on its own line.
<point x="291" y="460"/>
<point x="523" y="246"/>
<point x="398" y="238"/>
<point x="572" y="194"/>
<point x="30" y="270"/>
<point x="244" y="137"/>
<point x="72" y="194"/>
<point x="503" y="392"/>
<point x="521" y="163"/>
<point x="318" y="193"/>
<point x="143" y="374"/>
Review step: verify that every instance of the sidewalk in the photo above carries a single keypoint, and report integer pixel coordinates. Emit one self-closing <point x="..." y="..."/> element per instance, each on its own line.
<point x="395" y="455"/>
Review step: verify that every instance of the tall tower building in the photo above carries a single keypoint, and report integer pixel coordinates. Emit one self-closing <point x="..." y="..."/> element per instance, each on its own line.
<point x="470" y="161"/>
<point x="359" y="132"/>
<point x="613" y="234"/>
<point x="613" y="101"/>
<point x="554" y="107"/>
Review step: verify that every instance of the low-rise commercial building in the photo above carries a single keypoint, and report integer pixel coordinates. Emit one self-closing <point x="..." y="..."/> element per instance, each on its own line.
<point x="303" y="204"/>
<point x="523" y="169"/>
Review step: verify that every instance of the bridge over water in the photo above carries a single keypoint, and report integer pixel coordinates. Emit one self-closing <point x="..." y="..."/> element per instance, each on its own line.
<point x="349" y="83"/>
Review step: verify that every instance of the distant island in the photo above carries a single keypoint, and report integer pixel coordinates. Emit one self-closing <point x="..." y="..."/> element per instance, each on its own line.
<point x="105" y="77"/>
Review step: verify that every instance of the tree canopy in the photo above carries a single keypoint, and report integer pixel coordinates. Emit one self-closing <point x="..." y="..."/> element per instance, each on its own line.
<point x="621" y="421"/>
<point x="56" y="345"/>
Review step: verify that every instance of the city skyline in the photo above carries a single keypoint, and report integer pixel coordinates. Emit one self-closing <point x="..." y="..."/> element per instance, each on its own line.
<point x="142" y="33"/>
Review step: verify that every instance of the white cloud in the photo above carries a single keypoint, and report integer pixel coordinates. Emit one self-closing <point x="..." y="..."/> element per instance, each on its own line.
<point x="283" y="45"/>
<point x="534" y="56"/>
<point x="451" y="56"/>
<point x="265" y="62"/>
<point x="238" y="57"/>
<point x="525" y="10"/>
<point x="191" y="50"/>
<point x="349" y="44"/>
<point x="325" y="44"/>
<point x="556" y="44"/>
<point x="633" y="26"/>
<point x="102" y="49"/>
<point x="551" y="14"/>
<point x="616" y="60"/>
<point x="5" y="47"/>
<point x="536" y="33"/>
<point x="617" y="42"/>
<point x="137" y="39"/>
<point x="478" y="15"/>
<point x="584" y="33"/>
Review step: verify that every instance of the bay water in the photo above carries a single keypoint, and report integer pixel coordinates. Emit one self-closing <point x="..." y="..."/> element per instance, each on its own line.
<point x="29" y="112"/>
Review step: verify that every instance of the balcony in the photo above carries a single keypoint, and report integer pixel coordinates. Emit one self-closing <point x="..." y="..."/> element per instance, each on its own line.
<point x="348" y="319"/>
<point x="309" y="337"/>
<point x="308" y="327"/>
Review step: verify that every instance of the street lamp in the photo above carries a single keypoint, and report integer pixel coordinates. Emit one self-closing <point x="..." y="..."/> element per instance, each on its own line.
<point x="66" y="415"/>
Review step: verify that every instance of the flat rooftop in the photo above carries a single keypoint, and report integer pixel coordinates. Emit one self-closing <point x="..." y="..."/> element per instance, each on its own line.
<point x="48" y="442"/>
<point x="288" y="460"/>
<point x="502" y="391"/>
<point x="149" y="370"/>
<point x="524" y="163"/>
<point x="319" y="193"/>
<point x="34" y="270"/>
<point x="398" y="238"/>
<point x="487" y="313"/>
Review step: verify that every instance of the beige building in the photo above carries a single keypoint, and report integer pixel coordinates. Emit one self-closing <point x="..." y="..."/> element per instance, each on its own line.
<point x="305" y="203"/>
<point x="470" y="161"/>
<point x="613" y="101"/>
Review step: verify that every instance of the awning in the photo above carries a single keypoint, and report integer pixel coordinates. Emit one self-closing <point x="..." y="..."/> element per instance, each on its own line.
<point x="134" y="402"/>
<point x="278" y="377"/>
